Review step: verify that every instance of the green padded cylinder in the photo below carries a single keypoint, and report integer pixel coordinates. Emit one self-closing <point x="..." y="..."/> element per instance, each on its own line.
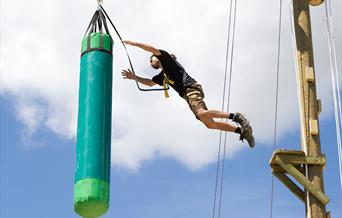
<point x="92" y="175"/>
<point x="91" y="197"/>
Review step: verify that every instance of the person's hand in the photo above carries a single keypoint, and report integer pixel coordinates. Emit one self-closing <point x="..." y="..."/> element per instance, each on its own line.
<point x="127" y="74"/>
<point x="129" y="42"/>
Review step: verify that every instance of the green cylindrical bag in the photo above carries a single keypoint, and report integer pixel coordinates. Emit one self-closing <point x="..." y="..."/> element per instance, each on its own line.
<point x="93" y="143"/>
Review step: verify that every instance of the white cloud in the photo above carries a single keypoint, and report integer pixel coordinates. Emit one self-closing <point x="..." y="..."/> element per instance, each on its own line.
<point x="40" y="51"/>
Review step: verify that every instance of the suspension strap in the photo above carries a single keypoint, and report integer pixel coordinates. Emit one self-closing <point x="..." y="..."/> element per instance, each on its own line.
<point x="167" y="87"/>
<point x="97" y="36"/>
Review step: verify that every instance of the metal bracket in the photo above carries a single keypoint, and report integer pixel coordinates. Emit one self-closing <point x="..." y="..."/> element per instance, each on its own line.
<point x="319" y="106"/>
<point x="292" y="162"/>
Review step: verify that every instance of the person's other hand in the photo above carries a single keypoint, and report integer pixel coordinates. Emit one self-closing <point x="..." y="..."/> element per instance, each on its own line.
<point x="127" y="74"/>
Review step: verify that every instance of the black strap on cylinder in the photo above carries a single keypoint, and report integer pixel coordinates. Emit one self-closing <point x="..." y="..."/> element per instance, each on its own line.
<point x="100" y="10"/>
<point x="98" y="24"/>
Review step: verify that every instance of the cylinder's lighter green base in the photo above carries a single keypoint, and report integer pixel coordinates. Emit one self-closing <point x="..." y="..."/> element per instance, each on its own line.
<point x="91" y="197"/>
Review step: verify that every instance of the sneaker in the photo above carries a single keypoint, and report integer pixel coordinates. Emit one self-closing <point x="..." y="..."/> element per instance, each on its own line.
<point x="247" y="133"/>
<point x="241" y="119"/>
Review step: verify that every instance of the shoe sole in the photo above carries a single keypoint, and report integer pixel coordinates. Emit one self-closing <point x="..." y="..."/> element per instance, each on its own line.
<point x="249" y="131"/>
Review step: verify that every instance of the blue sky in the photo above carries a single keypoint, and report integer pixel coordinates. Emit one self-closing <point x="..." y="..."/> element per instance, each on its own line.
<point x="38" y="183"/>
<point x="152" y="177"/>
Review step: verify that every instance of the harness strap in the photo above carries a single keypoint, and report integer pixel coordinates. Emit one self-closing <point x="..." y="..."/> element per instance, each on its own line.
<point x="166" y="82"/>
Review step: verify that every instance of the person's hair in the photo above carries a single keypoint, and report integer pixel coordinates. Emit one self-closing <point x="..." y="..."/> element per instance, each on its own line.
<point x="173" y="56"/>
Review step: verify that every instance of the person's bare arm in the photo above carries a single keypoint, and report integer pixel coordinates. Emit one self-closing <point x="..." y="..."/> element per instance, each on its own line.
<point x="146" y="47"/>
<point x="128" y="74"/>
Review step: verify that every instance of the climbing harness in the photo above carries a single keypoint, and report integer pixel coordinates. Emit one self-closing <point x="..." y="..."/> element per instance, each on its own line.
<point x="167" y="82"/>
<point x="165" y="88"/>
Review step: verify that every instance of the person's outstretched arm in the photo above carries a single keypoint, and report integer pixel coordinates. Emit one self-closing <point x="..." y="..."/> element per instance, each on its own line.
<point x="128" y="74"/>
<point x="148" y="48"/>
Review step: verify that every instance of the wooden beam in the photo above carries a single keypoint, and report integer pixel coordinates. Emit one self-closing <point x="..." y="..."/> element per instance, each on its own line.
<point x="290" y="185"/>
<point x="314" y="127"/>
<point x="310" y="76"/>
<point x="316" y="199"/>
<point x="279" y="169"/>
<point x="317" y="193"/>
<point x="285" y="152"/>
<point x="296" y="160"/>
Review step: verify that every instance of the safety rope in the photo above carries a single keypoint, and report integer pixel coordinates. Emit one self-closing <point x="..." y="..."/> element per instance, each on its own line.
<point x="231" y="33"/>
<point x="335" y="84"/>
<point x="228" y="103"/>
<point x="128" y="56"/>
<point x="303" y="136"/>
<point x="276" y="99"/>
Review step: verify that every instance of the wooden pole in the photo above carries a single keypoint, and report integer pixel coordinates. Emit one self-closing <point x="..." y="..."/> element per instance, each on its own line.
<point x="309" y="104"/>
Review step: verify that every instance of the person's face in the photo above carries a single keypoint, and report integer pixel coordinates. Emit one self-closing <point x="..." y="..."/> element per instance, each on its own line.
<point x="155" y="63"/>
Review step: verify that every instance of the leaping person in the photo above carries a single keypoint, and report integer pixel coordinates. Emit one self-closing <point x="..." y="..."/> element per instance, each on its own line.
<point x="174" y="74"/>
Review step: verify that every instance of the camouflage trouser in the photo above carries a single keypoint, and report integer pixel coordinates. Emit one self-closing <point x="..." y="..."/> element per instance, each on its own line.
<point x="194" y="96"/>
